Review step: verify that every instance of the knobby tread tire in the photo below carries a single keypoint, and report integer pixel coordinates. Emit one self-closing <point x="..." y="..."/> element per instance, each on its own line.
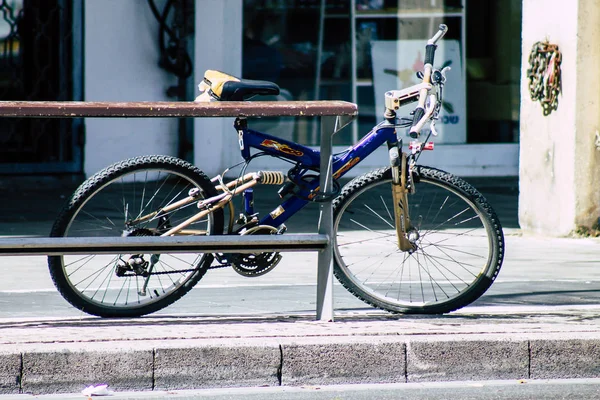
<point x="476" y="289"/>
<point x="91" y="186"/>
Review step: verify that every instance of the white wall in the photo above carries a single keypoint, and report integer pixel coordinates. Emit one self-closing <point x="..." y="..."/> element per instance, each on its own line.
<point x="218" y="46"/>
<point x="121" y="64"/>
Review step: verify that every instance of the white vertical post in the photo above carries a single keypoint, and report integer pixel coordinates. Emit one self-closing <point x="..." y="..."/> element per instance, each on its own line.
<point x="325" y="260"/>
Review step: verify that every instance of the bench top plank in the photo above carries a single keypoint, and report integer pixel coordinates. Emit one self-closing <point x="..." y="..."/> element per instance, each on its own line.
<point x="110" y="109"/>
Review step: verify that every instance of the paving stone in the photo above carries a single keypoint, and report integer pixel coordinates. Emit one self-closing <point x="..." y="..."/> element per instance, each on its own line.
<point x="217" y="366"/>
<point x="465" y="359"/>
<point x="564" y="359"/>
<point x="10" y="373"/>
<point x="331" y="362"/>
<point x="71" y="371"/>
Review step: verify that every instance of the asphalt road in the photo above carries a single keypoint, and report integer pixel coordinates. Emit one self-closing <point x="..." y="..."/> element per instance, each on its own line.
<point x="473" y="390"/>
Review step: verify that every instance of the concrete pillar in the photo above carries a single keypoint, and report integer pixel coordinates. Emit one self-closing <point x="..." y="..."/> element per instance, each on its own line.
<point x="559" y="163"/>
<point x="218" y="46"/>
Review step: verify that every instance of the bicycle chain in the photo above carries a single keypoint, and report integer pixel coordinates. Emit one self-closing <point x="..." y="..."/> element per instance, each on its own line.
<point x="180" y="271"/>
<point x="545" y="75"/>
<point x="189" y="270"/>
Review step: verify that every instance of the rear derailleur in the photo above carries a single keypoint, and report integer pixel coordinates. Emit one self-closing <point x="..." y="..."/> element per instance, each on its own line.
<point x="136" y="264"/>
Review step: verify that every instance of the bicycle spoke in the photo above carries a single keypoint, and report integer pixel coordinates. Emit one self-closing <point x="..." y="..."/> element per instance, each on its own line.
<point x="380" y="217"/>
<point x="366" y="240"/>
<point x="369" y="229"/>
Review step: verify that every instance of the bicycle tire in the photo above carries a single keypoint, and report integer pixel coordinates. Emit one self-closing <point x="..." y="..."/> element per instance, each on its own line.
<point x="108" y="285"/>
<point x="460" y="245"/>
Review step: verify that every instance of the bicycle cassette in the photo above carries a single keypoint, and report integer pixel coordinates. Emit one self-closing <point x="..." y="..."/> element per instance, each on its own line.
<point x="255" y="264"/>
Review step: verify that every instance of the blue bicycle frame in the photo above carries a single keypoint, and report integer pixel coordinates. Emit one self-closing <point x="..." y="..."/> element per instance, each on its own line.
<point x="307" y="160"/>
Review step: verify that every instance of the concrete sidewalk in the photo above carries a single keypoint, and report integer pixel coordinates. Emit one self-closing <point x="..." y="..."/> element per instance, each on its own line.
<point x="488" y="340"/>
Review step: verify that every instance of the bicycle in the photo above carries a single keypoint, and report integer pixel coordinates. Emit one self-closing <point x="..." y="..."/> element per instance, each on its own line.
<point x="407" y="238"/>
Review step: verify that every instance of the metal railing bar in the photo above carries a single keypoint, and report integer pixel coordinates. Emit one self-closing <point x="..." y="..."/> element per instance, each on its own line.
<point x="155" y="244"/>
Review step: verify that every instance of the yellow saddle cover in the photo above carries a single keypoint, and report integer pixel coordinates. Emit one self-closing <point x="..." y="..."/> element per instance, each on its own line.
<point x="216" y="80"/>
<point x="218" y="86"/>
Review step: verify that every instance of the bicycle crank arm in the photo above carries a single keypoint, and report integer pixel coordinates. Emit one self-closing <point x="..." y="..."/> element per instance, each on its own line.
<point x="153" y="261"/>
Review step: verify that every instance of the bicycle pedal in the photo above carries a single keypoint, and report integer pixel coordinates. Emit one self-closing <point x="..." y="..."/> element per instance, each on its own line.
<point x="281" y="229"/>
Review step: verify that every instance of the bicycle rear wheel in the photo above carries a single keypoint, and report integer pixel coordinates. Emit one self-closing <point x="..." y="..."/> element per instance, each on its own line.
<point x="460" y="245"/>
<point x="129" y="285"/>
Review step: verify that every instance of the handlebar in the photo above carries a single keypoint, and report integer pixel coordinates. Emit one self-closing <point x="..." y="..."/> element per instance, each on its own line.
<point x="421" y="115"/>
<point x="431" y="44"/>
<point x="442" y="29"/>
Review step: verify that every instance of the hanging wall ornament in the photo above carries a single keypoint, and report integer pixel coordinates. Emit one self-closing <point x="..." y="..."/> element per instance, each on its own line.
<point x="544" y="75"/>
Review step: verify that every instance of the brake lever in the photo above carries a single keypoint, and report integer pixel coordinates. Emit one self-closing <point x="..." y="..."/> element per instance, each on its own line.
<point x="434" y="131"/>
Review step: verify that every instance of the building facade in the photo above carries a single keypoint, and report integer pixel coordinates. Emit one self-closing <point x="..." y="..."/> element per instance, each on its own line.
<point x="354" y="50"/>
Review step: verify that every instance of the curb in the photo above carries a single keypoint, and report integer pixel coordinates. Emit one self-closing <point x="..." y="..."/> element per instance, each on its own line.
<point x="284" y="361"/>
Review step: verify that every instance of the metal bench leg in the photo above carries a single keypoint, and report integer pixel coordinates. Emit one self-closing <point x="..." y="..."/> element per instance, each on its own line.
<point x="325" y="262"/>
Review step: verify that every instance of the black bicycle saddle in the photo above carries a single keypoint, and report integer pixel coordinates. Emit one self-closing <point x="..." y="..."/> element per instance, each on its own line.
<point x="225" y="87"/>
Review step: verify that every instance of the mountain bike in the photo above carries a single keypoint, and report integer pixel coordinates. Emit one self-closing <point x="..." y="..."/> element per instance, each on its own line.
<point x="407" y="238"/>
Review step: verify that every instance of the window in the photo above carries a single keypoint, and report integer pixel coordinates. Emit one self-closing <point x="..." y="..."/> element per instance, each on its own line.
<point x="342" y="50"/>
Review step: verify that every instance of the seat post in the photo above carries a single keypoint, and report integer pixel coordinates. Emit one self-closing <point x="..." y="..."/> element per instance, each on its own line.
<point x="240" y="123"/>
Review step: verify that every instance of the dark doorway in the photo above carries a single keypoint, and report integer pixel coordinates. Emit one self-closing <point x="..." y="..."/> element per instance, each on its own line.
<point x="40" y="59"/>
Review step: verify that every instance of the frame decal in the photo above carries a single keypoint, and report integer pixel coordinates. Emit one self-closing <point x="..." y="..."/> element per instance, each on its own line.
<point x="277" y="212"/>
<point x="284" y="148"/>
<point x="344" y="168"/>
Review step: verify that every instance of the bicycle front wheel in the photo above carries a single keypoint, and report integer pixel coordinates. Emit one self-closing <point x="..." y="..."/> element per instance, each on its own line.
<point x="112" y="203"/>
<point x="458" y="237"/>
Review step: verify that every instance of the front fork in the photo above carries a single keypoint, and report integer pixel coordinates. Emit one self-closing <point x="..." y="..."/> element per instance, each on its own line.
<point x="400" y="189"/>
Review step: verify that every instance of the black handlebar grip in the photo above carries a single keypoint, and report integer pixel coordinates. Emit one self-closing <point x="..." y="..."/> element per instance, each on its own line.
<point x="419" y="112"/>
<point x="430" y="53"/>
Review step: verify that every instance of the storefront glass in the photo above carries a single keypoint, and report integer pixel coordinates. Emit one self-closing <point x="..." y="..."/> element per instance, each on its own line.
<point x="355" y="51"/>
